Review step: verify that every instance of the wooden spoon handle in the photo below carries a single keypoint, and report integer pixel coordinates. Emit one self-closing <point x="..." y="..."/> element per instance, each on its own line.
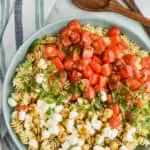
<point x="132" y="5"/>
<point x="114" y="6"/>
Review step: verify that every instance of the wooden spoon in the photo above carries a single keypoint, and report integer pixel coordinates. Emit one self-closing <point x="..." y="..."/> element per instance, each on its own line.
<point x="132" y="5"/>
<point x="112" y="6"/>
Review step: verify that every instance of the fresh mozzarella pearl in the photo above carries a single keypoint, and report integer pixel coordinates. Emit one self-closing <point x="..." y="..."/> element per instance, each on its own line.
<point x="45" y="134"/>
<point x="73" y="115"/>
<point x="57" y="117"/>
<point x="42" y="106"/>
<point x="14" y="114"/>
<point x="42" y="64"/>
<point x="128" y="138"/>
<point x="22" y="115"/>
<point x="107" y="132"/>
<point x="90" y="128"/>
<point x="103" y="96"/>
<point x="73" y="139"/>
<point x="132" y="130"/>
<point x="80" y="100"/>
<point x="54" y="130"/>
<point x="114" y="133"/>
<point x="76" y="148"/>
<point x="12" y="102"/>
<point x="59" y="108"/>
<point x="96" y="124"/>
<point x="100" y="140"/>
<point x="65" y="145"/>
<point x="110" y="133"/>
<point x="98" y="148"/>
<point x="39" y="78"/>
<point x="26" y="124"/>
<point x="33" y="143"/>
<point x="52" y="105"/>
<point x="123" y="147"/>
<point x="70" y="125"/>
<point x="42" y="123"/>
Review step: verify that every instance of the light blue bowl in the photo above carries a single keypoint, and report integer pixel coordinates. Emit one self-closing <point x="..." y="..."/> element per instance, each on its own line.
<point x="50" y="29"/>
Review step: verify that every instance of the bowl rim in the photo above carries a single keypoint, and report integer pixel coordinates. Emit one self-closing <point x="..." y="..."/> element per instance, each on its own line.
<point x="34" y="36"/>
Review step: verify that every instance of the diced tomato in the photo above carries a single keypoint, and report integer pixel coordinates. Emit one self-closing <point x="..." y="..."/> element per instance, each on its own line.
<point x="61" y="54"/>
<point x="21" y="108"/>
<point x="89" y="92"/>
<point x="95" y="37"/>
<point x="147" y="86"/>
<point x="75" y="56"/>
<point x="75" y="37"/>
<point x="68" y="64"/>
<point x="83" y="63"/>
<point x="86" y="38"/>
<point x="145" y="74"/>
<point x="117" y="51"/>
<point x="116" y="109"/>
<point x="130" y="59"/>
<point x="99" y="46"/>
<point x="114" y="31"/>
<point x="75" y="97"/>
<point x="106" y="69"/>
<point x="128" y="96"/>
<point x="87" y="71"/>
<point x="123" y="45"/>
<point x="74" y="24"/>
<point x="114" y="40"/>
<point x="66" y="41"/>
<point x="115" y="121"/>
<point x="96" y="67"/>
<point x="65" y="32"/>
<point x="133" y="83"/>
<point x="103" y="81"/>
<point x="58" y="64"/>
<point x="127" y="71"/>
<point x="50" y="51"/>
<point x="137" y="102"/>
<point x="88" y="52"/>
<point x="108" y="56"/>
<point x="94" y="79"/>
<point x="146" y="62"/>
<point x="109" y="99"/>
<point x="76" y="75"/>
<point x="96" y="60"/>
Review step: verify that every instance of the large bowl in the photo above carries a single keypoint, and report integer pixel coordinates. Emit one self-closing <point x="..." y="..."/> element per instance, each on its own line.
<point x="106" y="21"/>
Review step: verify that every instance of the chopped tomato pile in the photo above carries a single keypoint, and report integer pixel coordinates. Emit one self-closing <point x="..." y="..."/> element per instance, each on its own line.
<point x="85" y="56"/>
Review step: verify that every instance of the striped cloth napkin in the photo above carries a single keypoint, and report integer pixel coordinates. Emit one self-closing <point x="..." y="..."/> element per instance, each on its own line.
<point x="18" y="20"/>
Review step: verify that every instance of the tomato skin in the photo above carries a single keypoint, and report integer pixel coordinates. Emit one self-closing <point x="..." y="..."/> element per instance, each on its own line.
<point x="75" y="76"/>
<point x="109" y="99"/>
<point x="68" y="64"/>
<point x="95" y="64"/>
<point x="75" y="56"/>
<point x="58" y="63"/>
<point x="126" y="71"/>
<point x="89" y="93"/>
<point x="116" y="109"/>
<point x="87" y="71"/>
<point x="86" y="38"/>
<point x="75" y="37"/>
<point x="94" y="37"/>
<point x="65" y="32"/>
<point x="50" y="51"/>
<point x="115" y="121"/>
<point x="133" y="83"/>
<point x="61" y="54"/>
<point x="146" y="62"/>
<point x="99" y="46"/>
<point x="115" y="40"/>
<point x="108" y="56"/>
<point x="114" y="31"/>
<point x="83" y="63"/>
<point x="93" y="79"/>
<point x="129" y="59"/>
<point x="106" y="69"/>
<point x="88" y="52"/>
<point x="74" y="24"/>
<point x="66" y="41"/>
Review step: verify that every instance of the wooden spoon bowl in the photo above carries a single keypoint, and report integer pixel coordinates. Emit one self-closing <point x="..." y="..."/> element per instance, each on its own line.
<point x="112" y="6"/>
